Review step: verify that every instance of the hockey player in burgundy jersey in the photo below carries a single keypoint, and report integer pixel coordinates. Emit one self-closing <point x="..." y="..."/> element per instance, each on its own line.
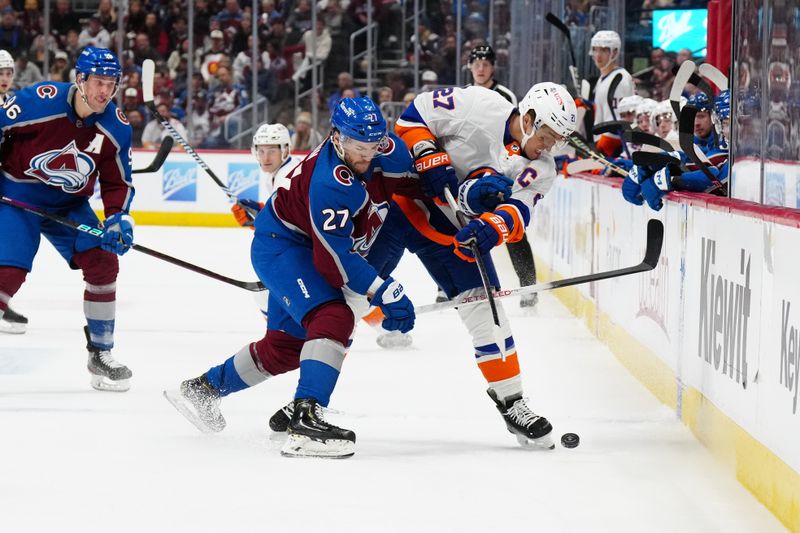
<point x="309" y="250"/>
<point x="58" y="139"/>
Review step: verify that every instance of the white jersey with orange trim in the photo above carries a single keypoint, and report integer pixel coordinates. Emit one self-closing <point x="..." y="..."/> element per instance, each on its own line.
<point x="471" y="125"/>
<point x="602" y="113"/>
<point x="270" y="181"/>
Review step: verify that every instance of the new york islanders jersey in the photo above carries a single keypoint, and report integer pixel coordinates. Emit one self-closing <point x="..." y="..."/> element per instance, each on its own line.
<point x="51" y="157"/>
<point x="269" y="182"/>
<point x="337" y="213"/>
<point x="603" y="113"/>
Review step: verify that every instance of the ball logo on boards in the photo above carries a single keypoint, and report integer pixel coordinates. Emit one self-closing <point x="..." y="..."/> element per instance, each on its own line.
<point x="243" y="180"/>
<point x="790" y="354"/>
<point x="179" y="183"/>
<point x="724" y="315"/>
<point x="654" y="294"/>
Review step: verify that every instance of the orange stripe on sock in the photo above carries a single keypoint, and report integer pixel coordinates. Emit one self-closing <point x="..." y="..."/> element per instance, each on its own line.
<point x="498" y="370"/>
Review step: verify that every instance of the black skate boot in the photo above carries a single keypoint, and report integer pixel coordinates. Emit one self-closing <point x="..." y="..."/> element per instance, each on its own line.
<point x="279" y="422"/>
<point x="529" y="428"/>
<point x="309" y="435"/>
<point x="198" y="401"/>
<point x="107" y="373"/>
<point x="529" y="300"/>
<point x="13" y="322"/>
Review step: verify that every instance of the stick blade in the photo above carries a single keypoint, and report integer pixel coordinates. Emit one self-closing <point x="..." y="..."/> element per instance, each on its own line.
<point x="148" y="75"/>
<point x="685" y="72"/>
<point x="611" y="126"/>
<point x="655" y="240"/>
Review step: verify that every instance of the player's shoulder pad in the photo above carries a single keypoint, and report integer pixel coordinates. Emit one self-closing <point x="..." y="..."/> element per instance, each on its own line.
<point x="116" y="123"/>
<point x="334" y="183"/>
<point x="394" y="155"/>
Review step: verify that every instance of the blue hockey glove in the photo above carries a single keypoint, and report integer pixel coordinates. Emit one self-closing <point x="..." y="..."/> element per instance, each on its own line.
<point x="398" y="311"/>
<point x="484" y="193"/>
<point x="631" y="188"/>
<point x="696" y="180"/>
<point x="622" y="162"/>
<point x="434" y="169"/>
<point x="117" y="233"/>
<point x="488" y="231"/>
<point x="655" y="188"/>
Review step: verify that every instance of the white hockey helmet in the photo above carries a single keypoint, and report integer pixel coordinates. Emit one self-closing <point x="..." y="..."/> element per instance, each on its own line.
<point x="663" y="110"/>
<point x="629" y="104"/>
<point x="6" y="61"/>
<point x="553" y="106"/>
<point x="646" y="107"/>
<point x="276" y="134"/>
<point x="606" y="39"/>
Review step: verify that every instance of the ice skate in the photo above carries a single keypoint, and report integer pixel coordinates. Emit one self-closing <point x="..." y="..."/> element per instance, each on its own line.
<point x="279" y="422"/>
<point x="309" y="435"/>
<point x="393" y="340"/>
<point x="13" y="323"/>
<point x="107" y="374"/>
<point x="199" y="403"/>
<point x="529" y="301"/>
<point x="530" y="429"/>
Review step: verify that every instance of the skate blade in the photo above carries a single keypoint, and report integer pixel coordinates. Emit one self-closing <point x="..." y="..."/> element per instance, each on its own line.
<point x="394" y="340"/>
<point x="185" y="408"/>
<point x="301" y="446"/>
<point x="542" y="443"/>
<point x="12" y="328"/>
<point x="104" y="384"/>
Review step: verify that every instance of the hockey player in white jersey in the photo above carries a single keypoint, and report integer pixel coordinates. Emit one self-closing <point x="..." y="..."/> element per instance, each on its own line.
<point x="458" y="137"/>
<point x="605" y="47"/>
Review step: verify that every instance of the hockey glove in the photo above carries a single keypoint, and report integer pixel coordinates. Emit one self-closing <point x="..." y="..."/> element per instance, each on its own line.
<point x="484" y="193"/>
<point x="631" y="189"/>
<point x="434" y="169"/>
<point x="117" y="233"/>
<point x="398" y="311"/>
<point x="244" y="212"/>
<point x="695" y="181"/>
<point x="488" y="231"/>
<point x="655" y="188"/>
<point x="622" y="162"/>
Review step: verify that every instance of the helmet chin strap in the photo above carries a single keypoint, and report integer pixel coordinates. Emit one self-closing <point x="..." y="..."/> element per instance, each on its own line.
<point x="525" y="136"/>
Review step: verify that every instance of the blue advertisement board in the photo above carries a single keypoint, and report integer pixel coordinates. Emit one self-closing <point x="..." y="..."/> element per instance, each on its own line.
<point x="243" y="180"/>
<point x="180" y="181"/>
<point x="674" y="29"/>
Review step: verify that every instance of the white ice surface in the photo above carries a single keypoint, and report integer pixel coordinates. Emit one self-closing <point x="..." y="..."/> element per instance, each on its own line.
<point x="432" y="452"/>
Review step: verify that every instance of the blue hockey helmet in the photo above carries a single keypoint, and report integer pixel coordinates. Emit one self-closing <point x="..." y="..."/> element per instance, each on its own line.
<point x="700" y="101"/>
<point x="100" y="61"/>
<point x="359" y="119"/>
<point x="722" y="104"/>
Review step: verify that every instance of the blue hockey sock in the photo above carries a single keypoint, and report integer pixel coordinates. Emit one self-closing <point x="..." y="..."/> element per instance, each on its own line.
<point x="225" y="378"/>
<point x="101" y="333"/>
<point x="317" y="380"/>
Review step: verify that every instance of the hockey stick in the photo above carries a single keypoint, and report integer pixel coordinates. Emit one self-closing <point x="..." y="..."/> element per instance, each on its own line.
<point x="641" y="138"/>
<point x="573" y="69"/>
<point x="254" y="286"/>
<point x="681" y="79"/>
<point x="158" y="160"/>
<point x="584" y="165"/>
<point x="497" y="332"/>
<point x="611" y="126"/>
<point x="713" y="74"/>
<point x="582" y="147"/>
<point x="148" y="76"/>
<point x="654" y="159"/>
<point x="612" y="90"/>
<point x="686" y="139"/>
<point x="655" y="239"/>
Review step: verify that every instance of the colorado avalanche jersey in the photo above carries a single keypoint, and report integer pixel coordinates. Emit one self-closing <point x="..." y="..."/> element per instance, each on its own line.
<point x="337" y="213"/>
<point x="52" y="158"/>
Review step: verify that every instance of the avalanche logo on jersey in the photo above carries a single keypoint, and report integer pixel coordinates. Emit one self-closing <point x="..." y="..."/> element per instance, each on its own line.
<point x="180" y="181"/>
<point x="243" y="180"/>
<point x="68" y="168"/>
<point x="370" y="227"/>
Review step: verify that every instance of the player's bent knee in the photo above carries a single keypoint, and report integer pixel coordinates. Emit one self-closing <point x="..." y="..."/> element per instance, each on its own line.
<point x="11" y="279"/>
<point x="278" y="352"/>
<point x="99" y="267"/>
<point x="331" y="320"/>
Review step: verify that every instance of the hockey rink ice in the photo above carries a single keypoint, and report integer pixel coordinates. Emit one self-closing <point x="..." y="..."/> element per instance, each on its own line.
<point x="432" y="453"/>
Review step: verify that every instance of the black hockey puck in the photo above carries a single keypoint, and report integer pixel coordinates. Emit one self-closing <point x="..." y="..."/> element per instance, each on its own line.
<point x="570" y="440"/>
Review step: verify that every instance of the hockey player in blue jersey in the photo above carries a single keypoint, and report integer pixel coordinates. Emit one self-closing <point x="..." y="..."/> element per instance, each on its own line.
<point x="704" y="135"/>
<point x="58" y="139"/>
<point x="650" y="184"/>
<point x="309" y="250"/>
